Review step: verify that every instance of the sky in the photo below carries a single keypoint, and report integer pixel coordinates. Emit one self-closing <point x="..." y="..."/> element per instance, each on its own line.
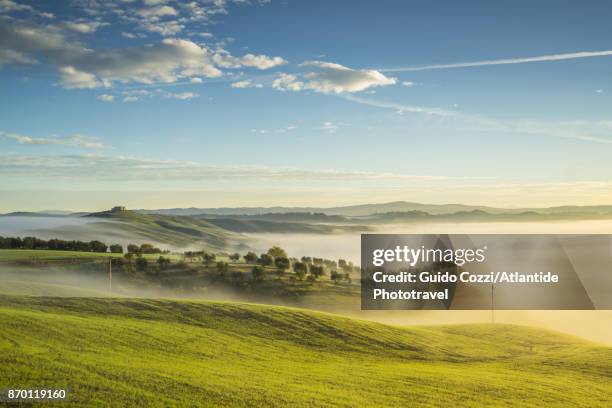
<point x="211" y="103"/>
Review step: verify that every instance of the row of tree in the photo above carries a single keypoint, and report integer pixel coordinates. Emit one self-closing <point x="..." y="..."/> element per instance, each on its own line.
<point x="74" y="245"/>
<point x="56" y="244"/>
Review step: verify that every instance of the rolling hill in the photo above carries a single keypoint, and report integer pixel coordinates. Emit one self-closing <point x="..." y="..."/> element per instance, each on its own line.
<point x="362" y="210"/>
<point x="138" y="352"/>
<point x="169" y="229"/>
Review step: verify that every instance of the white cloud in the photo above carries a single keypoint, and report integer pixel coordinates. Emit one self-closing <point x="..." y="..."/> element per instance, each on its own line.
<point x="225" y="60"/>
<point x="19" y="41"/>
<point x="408" y="83"/>
<point x="332" y="78"/>
<point x="196" y="80"/>
<point x="83" y="27"/>
<point x="246" y="84"/>
<point x="164" y="28"/>
<point x="329" y="127"/>
<point x="336" y="78"/>
<point x="599" y="90"/>
<point x="80" y="66"/>
<point x="287" y="82"/>
<point x="72" y="78"/>
<point x="164" y="62"/>
<point x="181" y="96"/>
<point x="8" y="56"/>
<point x="261" y="61"/>
<point x="156" y="12"/>
<point x="8" y="6"/>
<point x="543" y="58"/>
<point x="76" y="140"/>
<point x="105" y="98"/>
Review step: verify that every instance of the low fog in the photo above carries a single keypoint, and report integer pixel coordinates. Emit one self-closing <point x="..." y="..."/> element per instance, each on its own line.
<point x="57" y="281"/>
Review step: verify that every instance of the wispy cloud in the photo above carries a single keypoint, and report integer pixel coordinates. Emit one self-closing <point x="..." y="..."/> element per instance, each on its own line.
<point x="76" y="140"/>
<point x="541" y="58"/>
<point x="122" y="168"/>
<point x="401" y="108"/>
<point x="588" y="131"/>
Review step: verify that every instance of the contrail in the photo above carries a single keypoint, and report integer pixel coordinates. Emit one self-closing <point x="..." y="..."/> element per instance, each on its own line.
<point x="542" y="58"/>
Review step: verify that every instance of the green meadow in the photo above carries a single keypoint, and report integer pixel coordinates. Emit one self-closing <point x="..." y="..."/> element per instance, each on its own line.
<point x="143" y="352"/>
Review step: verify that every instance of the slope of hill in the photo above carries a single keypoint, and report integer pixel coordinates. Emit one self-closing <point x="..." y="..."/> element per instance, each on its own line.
<point x="129" y="352"/>
<point x="262" y="226"/>
<point x="175" y="230"/>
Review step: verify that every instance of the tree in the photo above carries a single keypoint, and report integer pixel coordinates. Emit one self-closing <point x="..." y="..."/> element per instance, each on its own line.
<point x="149" y="249"/>
<point x="163" y="262"/>
<point x="208" y="258"/>
<point x="266" y="260"/>
<point x="189" y="255"/>
<point x="306" y="259"/>
<point x="222" y="268"/>
<point x="97" y="246"/>
<point x="257" y="273"/>
<point x="133" y="249"/>
<point x="316" y="271"/>
<point x="335" y="276"/>
<point x="141" y="263"/>
<point x="282" y="263"/>
<point x="277" y="252"/>
<point x="250" y="257"/>
<point x="300" y="269"/>
<point x="347" y="277"/>
<point x="116" y="249"/>
<point x="235" y="257"/>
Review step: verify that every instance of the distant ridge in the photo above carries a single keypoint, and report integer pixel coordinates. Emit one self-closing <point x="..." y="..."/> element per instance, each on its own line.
<point x="361" y="210"/>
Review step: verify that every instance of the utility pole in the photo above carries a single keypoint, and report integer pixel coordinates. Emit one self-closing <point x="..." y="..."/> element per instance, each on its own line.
<point x="110" y="274"/>
<point x="492" y="304"/>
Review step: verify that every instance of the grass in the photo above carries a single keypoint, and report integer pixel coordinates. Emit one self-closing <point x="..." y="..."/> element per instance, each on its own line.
<point x="129" y="352"/>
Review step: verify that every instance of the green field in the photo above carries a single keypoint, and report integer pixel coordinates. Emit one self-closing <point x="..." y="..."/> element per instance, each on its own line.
<point x="174" y="353"/>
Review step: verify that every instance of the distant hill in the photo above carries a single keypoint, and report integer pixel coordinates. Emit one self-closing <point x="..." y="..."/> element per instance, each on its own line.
<point x="370" y="209"/>
<point x="214" y="230"/>
<point x="175" y="230"/>
<point x="335" y="214"/>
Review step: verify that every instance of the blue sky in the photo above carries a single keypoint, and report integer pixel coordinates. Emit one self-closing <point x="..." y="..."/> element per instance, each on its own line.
<point x="158" y="103"/>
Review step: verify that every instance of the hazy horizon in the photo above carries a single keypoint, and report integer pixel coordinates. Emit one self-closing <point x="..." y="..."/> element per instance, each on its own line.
<point x="106" y="203"/>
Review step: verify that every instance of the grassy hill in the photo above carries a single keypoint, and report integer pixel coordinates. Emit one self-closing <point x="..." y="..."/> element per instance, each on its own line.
<point x="165" y="353"/>
<point x="175" y="230"/>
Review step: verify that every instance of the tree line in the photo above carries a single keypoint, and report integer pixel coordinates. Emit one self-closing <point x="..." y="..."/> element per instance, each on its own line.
<point x="74" y="245"/>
